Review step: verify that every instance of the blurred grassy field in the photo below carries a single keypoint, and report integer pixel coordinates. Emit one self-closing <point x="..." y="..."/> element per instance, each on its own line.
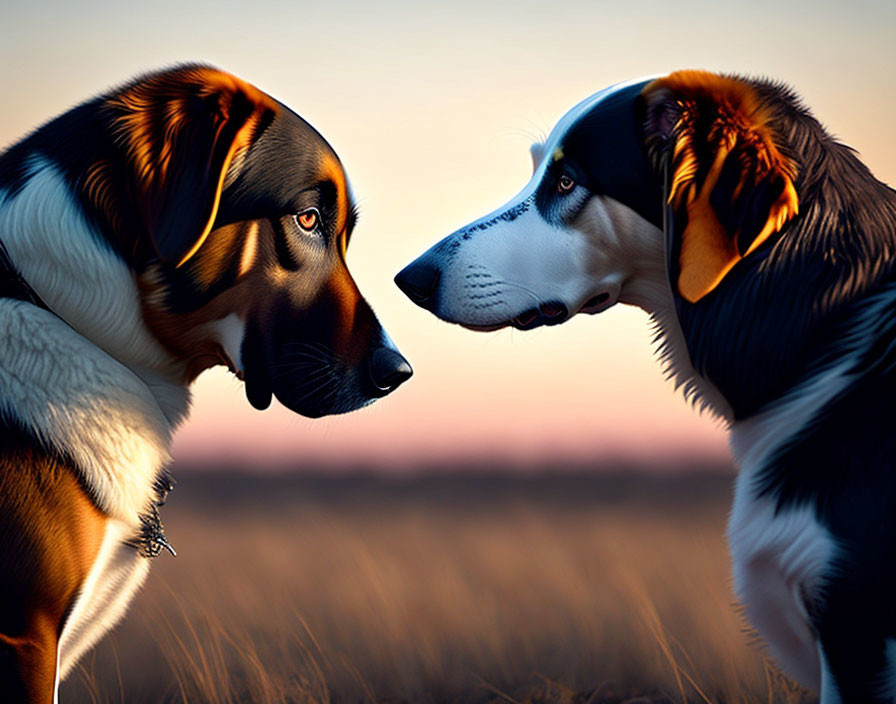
<point x="562" y="588"/>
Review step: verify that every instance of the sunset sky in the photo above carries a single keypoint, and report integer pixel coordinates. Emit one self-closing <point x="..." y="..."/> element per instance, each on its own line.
<point x="432" y="109"/>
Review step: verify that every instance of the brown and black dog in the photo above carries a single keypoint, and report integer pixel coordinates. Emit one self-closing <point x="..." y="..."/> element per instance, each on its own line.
<point x="182" y="221"/>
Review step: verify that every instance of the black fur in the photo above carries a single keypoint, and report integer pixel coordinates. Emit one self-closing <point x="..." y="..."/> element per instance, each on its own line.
<point x="780" y="309"/>
<point x="606" y="152"/>
<point x="821" y="291"/>
<point x="817" y="293"/>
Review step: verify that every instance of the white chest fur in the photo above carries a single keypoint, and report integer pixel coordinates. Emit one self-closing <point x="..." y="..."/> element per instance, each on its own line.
<point x="90" y="380"/>
<point x="84" y="282"/>
<point x="115" y="576"/>
<point x="81" y="401"/>
<point x="778" y="557"/>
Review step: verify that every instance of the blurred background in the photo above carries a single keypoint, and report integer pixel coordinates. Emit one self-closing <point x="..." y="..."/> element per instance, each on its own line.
<point x="432" y="108"/>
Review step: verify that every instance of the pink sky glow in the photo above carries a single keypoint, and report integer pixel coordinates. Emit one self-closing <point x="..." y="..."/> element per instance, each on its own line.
<point x="432" y="110"/>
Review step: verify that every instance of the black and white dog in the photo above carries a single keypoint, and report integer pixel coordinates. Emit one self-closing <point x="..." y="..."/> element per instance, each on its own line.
<point x="184" y="220"/>
<point x="766" y="253"/>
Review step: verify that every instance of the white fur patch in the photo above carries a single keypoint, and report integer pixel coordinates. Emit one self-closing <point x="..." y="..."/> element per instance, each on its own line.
<point x="775" y="558"/>
<point x="512" y="260"/>
<point x="93" y="382"/>
<point x="56" y="677"/>
<point x="116" y="574"/>
<point x="79" y="400"/>
<point x="229" y="332"/>
<point x="512" y="266"/>
<point x="536" y="151"/>
<point x="779" y="556"/>
<point x="83" y="282"/>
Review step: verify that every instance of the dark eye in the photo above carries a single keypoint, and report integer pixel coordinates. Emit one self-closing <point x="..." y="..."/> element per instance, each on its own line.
<point x="308" y="219"/>
<point x="565" y="184"/>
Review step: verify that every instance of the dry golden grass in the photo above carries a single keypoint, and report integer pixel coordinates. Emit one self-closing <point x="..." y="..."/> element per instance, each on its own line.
<point x="566" y="590"/>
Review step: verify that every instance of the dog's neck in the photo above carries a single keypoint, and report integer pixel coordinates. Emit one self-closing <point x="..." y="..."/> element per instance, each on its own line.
<point x="672" y="349"/>
<point x="82" y="404"/>
<point x="81" y="372"/>
<point x="629" y="238"/>
<point x="81" y="280"/>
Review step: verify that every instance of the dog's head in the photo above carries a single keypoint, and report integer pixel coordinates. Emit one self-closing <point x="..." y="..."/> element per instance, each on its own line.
<point x="232" y="216"/>
<point x="693" y="149"/>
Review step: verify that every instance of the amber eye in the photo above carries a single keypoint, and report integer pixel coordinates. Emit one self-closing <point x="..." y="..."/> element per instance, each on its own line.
<point x="565" y="184"/>
<point x="308" y="219"/>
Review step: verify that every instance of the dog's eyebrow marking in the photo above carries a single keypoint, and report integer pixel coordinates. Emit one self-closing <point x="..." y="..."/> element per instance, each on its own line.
<point x="247" y="258"/>
<point x="558" y="154"/>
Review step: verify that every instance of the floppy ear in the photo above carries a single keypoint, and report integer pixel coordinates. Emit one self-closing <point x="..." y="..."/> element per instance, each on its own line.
<point x="729" y="187"/>
<point x="182" y="131"/>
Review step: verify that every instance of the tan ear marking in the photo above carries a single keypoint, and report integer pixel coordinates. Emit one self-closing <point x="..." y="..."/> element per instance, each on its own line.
<point x="707" y="252"/>
<point x="718" y="125"/>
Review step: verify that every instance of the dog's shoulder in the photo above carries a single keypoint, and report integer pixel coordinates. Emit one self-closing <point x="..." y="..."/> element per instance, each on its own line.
<point x="844" y="446"/>
<point x="81" y="380"/>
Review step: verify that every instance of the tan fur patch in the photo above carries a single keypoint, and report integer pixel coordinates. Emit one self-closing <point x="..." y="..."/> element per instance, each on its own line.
<point x="331" y="170"/>
<point x="209" y="264"/>
<point x="189" y="336"/>
<point x="715" y="120"/>
<point x="58" y="535"/>
<point x="250" y="249"/>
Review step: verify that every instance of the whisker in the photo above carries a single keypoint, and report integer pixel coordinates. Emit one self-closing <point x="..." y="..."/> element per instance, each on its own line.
<point x="300" y="364"/>
<point x="312" y="392"/>
<point x="310" y="376"/>
<point x="334" y="389"/>
<point x="319" y="346"/>
<point x="316" y="350"/>
<point x="310" y="354"/>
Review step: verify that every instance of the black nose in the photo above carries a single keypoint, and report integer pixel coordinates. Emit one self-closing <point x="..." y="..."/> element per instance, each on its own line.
<point x="418" y="280"/>
<point x="388" y="370"/>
